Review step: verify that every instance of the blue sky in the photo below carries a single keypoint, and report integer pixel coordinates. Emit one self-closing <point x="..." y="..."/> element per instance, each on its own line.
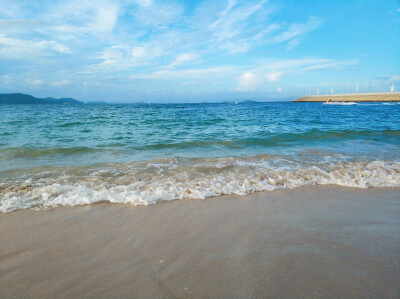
<point x="194" y="51"/>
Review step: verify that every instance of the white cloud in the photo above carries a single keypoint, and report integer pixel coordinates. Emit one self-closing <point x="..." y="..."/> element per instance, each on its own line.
<point x="86" y="83"/>
<point x="60" y="83"/>
<point x="279" y="89"/>
<point x="207" y="73"/>
<point x="273" y="76"/>
<point x="6" y="79"/>
<point x="105" y="19"/>
<point x="247" y="81"/>
<point x="183" y="58"/>
<point x="139" y="52"/>
<point x="35" y="82"/>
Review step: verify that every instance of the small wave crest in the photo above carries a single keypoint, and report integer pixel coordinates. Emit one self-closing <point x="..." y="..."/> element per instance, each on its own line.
<point x="25" y="152"/>
<point x="149" y="182"/>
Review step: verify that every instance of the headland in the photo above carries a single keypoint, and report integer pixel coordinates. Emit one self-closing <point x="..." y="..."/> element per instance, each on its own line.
<point x="353" y="97"/>
<point x="20" y="98"/>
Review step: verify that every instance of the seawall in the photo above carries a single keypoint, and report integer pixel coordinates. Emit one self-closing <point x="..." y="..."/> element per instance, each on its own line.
<point x="353" y="97"/>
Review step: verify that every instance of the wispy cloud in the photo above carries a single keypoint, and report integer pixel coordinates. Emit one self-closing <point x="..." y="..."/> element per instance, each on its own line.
<point x="83" y="17"/>
<point x="183" y="58"/>
<point x="16" y="26"/>
<point x="234" y="30"/>
<point x="121" y="57"/>
<point x="86" y="83"/>
<point x="10" y="9"/>
<point x="297" y="30"/>
<point x="330" y="65"/>
<point x="272" y="71"/>
<point x="6" y="79"/>
<point x="34" y="82"/>
<point x="228" y="24"/>
<point x="206" y="73"/>
<point x="160" y="15"/>
<point x="60" y="83"/>
<point x="26" y="49"/>
<point x="305" y="64"/>
<point x="273" y="76"/>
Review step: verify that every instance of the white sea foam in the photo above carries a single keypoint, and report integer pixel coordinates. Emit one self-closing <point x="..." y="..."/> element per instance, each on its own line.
<point x="340" y="103"/>
<point x="149" y="183"/>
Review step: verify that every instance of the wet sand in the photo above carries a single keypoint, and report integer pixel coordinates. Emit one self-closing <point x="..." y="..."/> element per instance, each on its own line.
<point x="313" y="242"/>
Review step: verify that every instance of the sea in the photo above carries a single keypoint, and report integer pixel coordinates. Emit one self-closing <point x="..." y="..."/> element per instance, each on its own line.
<point x="141" y="154"/>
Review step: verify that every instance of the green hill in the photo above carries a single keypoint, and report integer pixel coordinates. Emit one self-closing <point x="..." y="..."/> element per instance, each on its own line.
<point x="20" y="98"/>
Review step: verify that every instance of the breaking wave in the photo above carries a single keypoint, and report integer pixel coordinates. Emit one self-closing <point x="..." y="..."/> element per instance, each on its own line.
<point x="144" y="183"/>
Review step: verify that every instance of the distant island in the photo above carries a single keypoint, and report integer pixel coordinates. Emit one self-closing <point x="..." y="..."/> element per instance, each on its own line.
<point x="20" y="98"/>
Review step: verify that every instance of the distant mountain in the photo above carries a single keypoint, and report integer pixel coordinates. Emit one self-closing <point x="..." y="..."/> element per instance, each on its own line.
<point x="20" y="98"/>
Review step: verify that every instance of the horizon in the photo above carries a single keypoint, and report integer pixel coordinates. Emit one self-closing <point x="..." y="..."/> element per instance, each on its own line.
<point x="126" y="51"/>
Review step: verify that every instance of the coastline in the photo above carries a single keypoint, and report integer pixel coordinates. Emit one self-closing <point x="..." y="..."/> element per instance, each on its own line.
<point x="320" y="241"/>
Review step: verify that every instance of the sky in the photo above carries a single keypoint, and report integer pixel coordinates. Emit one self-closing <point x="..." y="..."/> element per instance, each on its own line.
<point x="195" y="51"/>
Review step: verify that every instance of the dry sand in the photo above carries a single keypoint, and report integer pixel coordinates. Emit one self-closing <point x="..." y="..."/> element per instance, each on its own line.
<point x="314" y="242"/>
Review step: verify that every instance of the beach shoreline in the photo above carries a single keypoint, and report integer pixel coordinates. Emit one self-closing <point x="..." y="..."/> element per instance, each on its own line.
<point x="319" y="241"/>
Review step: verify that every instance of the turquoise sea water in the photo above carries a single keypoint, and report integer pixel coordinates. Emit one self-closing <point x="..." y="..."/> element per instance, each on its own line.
<point x="52" y="155"/>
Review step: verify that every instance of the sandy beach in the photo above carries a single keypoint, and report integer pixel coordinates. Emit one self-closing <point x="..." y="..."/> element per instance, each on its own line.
<point x="311" y="242"/>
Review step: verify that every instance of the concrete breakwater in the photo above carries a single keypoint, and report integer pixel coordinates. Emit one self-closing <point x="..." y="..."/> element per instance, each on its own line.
<point x="353" y="97"/>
